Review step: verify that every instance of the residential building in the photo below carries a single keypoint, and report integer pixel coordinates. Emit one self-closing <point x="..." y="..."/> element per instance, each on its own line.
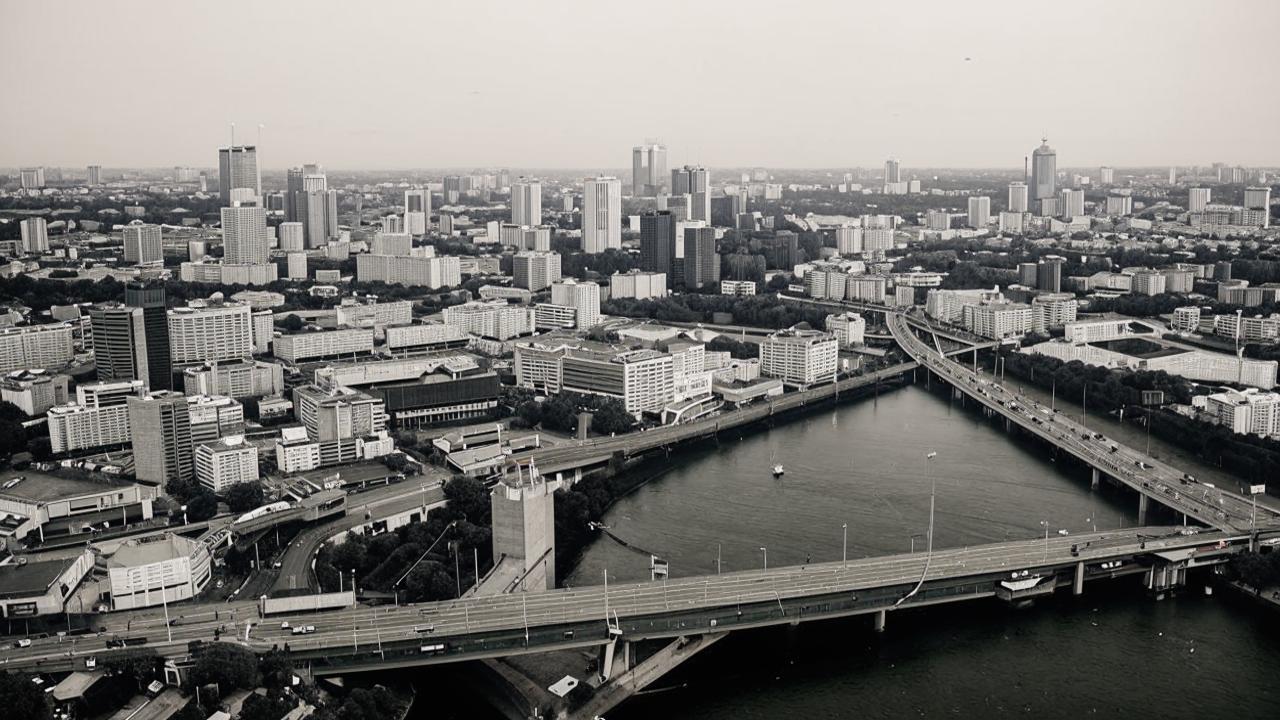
<point x="34" y="391"/>
<point x="641" y="379"/>
<point x="800" y="358"/>
<point x="534" y="271"/>
<point x="160" y="426"/>
<point x="29" y="347"/>
<point x="35" y="235"/>
<point x="582" y="297"/>
<point x="601" y="214"/>
<point x="494" y="319"/>
<point x="210" y="331"/>
<point x="526" y="202"/>
<point x="238" y="168"/>
<point x="979" y="212"/>
<point x="227" y="462"/>
<point x="429" y="272"/>
<point x="239" y="378"/>
<point x="319" y="344"/>
<point x="737" y="287"/>
<point x="849" y="328"/>
<point x="143" y="244"/>
<point x="638" y="284"/>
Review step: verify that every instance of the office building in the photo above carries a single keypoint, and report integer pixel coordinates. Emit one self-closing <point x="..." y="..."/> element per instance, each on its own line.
<point x="526" y="202"/>
<point x="28" y="347"/>
<point x="35" y="235"/>
<point x="701" y="261"/>
<point x="1044" y="172"/>
<point x="143" y="244"/>
<point x="979" y="212"/>
<point x="210" y="331"/>
<point x="338" y="413"/>
<point x="800" y="358"/>
<point x="1049" y="273"/>
<point x="34" y="391"/>
<point x="119" y="342"/>
<point x="417" y="210"/>
<point x="601" y="214"/>
<point x="642" y="379"/>
<point x="160" y="425"/>
<point x="737" y="287"/>
<point x="227" y="462"/>
<point x="648" y="170"/>
<point x="1018" y="197"/>
<point x="244" y="235"/>
<point x="658" y="240"/>
<point x="292" y="237"/>
<point x="1027" y="273"/>
<point x="296" y="266"/>
<point x="582" y="297"/>
<point x="155" y="336"/>
<point x="535" y="271"/>
<point x="238" y="168"/>
<point x="694" y="182"/>
<point x="892" y="171"/>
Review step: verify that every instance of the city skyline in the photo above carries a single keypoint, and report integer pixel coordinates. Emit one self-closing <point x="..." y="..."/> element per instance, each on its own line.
<point x="981" y="109"/>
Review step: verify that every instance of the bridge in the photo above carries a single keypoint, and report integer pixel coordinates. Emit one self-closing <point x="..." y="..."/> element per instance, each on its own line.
<point x="585" y="453"/>
<point x="1149" y="477"/>
<point x="682" y="615"/>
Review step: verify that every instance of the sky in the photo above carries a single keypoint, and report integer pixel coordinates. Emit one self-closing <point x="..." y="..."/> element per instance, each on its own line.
<point x="575" y="84"/>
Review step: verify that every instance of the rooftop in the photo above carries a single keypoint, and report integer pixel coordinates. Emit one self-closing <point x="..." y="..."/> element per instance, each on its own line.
<point x="151" y="549"/>
<point x="41" y="488"/>
<point x="32" y="578"/>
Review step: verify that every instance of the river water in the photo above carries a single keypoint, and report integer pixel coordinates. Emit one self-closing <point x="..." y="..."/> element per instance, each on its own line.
<point x="1113" y="653"/>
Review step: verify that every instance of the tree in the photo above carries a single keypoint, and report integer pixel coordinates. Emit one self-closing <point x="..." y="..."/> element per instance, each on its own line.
<point x="245" y="496"/>
<point x="22" y="699"/>
<point x="272" y="705"/>
<point x="376" y="703"/>
<point x="228" y="666"/>
<point x="468" y="499"/>
<point x="202" y="507"/>
<point x="291" y="323"/>
<point x="276" y="669"/>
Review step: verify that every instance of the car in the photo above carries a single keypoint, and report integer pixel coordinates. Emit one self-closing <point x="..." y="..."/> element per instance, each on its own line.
<point x="90" y="662"/>
<point x="299" y="630"/>
<point x="310" y="629"/>
<point x="276" y="565"/>
<point x="284" y="625"/>
<point x="24" y="642"/>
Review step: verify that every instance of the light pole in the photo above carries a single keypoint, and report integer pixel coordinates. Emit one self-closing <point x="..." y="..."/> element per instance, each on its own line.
<point x="717" y="558"/>
<point x="913" y="541"/>
<point x="933" y="492"/>
<point x="765" y="550"/>
<point x="1045" y="523"/>
<point x="1084" y="404"/>
<point x="844" y="546"/>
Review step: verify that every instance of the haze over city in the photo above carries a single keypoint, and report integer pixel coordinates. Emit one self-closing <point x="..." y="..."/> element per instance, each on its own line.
<point x="573" y="84"/>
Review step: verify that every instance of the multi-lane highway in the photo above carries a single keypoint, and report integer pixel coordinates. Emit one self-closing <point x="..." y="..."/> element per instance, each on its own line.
<point x="465" y="627"/>
<point x="1145" y="474"/>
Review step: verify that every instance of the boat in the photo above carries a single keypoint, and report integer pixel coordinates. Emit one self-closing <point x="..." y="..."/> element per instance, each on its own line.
<point x="778" y="470"/>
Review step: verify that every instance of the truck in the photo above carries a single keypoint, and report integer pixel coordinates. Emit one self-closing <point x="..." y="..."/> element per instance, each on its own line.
<point x="306" y="603"/>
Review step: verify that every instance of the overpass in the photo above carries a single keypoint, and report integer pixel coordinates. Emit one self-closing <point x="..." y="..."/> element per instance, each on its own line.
<point x="683" y="615"/>
<point x="581" y="454"/>
<point x="1149" y="477"/>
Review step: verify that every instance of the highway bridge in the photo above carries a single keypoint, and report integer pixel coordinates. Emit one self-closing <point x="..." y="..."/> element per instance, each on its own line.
<point x="585" y="453"/>
<point x="1149" y="477"/>
<point x="685" y="614"/>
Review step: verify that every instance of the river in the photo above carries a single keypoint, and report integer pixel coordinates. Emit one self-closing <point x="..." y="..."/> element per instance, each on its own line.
<point x="1113" y="653"/>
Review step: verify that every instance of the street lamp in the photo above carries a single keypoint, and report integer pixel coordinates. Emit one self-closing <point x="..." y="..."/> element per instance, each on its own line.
<point x="1045" y="523"/>
<point x="844" y="546"/>
<point x="765" y="550"/>
<point x="913" y="541"/>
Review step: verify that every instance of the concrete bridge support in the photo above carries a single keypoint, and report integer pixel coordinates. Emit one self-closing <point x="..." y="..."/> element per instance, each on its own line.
<point x="1163" y="577"/>
<point x="1143" y="503"/>
<point x="879" y="619"/>
<point x="1095" y="480"/>
<point x="1077" y="585"/>
<point x="626" y="683"/>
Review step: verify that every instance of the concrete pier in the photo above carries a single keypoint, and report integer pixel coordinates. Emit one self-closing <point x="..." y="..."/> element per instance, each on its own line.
<point x="1077" y="585"/>
<point x="879" y="620"/>
<point x="1095" y="480"/>
<point x="1143" y="503"/>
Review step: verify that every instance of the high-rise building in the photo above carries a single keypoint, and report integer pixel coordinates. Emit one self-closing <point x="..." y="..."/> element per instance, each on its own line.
<point x="892" y="171"/>
<point x="1198" y="198"/>
<point x="160" y="426"/>
<point x="119" y="342"/>
<point x="1018" y="197"/>
<point x="601" y="214"/>
<point x="238" y="168"/>
<point x="1049" y="273"/>
<point x="1071" y="203"/>
<point x="583" y="297"/>
<point x="210" y="331"/>
<point x="800" y="358"/>
<point x="227" y="462"/>
<point x="979" y="212"/>
<point x="696" y="183"/>
<point x="494" y="319"/>
<point x="1257" y="206"/>
<point x="292" y="236"/>
<point x="244" y="235"/>
<point x="849" y="240"/>
<point x="32" y="178"/>
<point x="35" y="235"/>
<point x="1107" y="175"/>
<point x="143" y="244"/>
<point x="526" y="202"/>
<point x="1119" y="205"/>
<point x="155" y="337"/>
<point x="1044" y="171"/>
<point x="25" y="347"/>
<point x="534" y="270"/>
<point x="95" y="174"/>
<point x="658" y="242"/>
<point x="701" y="262"/>
<point x="648" y="169"/>
<point x="417" y="210"/>
<point x="1028" y="273"/>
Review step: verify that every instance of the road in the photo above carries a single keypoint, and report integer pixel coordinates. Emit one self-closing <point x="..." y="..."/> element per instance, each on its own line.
<point x="1147" y="475"/>
<point x="642" y="608"/>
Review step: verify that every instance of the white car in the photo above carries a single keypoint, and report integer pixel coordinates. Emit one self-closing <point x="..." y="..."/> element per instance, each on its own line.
<point x="24" y="642"/>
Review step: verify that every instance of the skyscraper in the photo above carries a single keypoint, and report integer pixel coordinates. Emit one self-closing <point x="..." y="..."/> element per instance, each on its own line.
<point x="160" y="425"/>
<point x="417" y="210"/>
<point x="244" y="235"/>
<point x="696" y="183"/>
<point x="601" y="214"/>
<point x="648" y="169"/>
<point x="1257" y="206"/>
<point x="155" y="336"/>
<point x="1198" y="198"/>
<point x="1044" y="171"/>
<point x="979" y="212"/>
<point x="35" y="235"/>
<point x="526" y="202"/>
<point x="892" y="171"/>
<point x="1017" y="197"/>
<point x="238" y="168"/>
<point x="143" y="244"/>
<point x="95" y="174"/>
<point x="1071" y="203"/>
<point x="1108" y="175"/>
<point x="701" y="262"/>
<point x="119" y="342"/>
<point x="658" y="243"/>
<point x="1049" y="273"/>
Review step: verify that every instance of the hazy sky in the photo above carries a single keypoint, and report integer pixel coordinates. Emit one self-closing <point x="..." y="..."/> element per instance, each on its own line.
<point x="544" y="83"/>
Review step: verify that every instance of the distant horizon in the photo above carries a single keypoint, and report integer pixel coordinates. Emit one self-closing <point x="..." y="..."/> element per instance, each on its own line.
<point x="575" y="84"/>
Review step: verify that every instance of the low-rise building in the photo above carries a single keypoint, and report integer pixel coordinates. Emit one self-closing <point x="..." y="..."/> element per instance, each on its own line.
<point x="848" y="328"/>
<point x="34" y="391"/>
<point x="156" y="570"/>
<point x="35" y="589"/>
<point x="51" y="505"/>
<point x="238" y="379"/>
<point x="320" y="344"/>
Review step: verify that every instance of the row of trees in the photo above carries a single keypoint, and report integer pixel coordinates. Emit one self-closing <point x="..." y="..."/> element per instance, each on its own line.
<point x="559" y="412"/>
